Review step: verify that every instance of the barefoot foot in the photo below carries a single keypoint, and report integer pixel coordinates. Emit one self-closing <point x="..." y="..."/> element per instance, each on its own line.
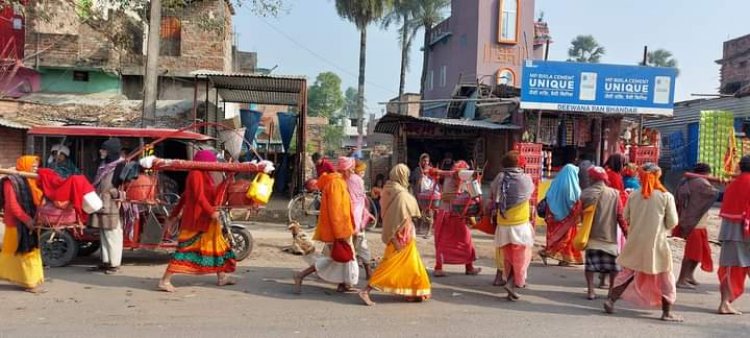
<point x="609" y="306"/>
<point x="474" y="271"/>
<point x="365" y="296"/>
<point x="226" y="281"/>
<point x="685" y="285"/>
<point x="670" y="317"/>
<point x="166" y="287"/>
<point x="297" y="283"/>
<point x="728" y="310"/>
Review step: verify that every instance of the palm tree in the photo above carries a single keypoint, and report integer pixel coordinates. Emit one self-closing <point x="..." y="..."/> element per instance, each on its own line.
<point x="402" y="14"/>
<point x="584" y="48"/>
<point x="428" y="13"/>
<point x="661" y="58"/>
<point x="362" y="13"/>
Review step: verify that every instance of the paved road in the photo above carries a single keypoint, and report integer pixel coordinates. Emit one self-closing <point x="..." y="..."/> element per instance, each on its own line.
<point x="81" y="304"/>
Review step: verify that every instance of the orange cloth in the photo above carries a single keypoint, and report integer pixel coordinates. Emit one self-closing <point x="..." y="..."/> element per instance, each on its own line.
<point x="26" y="164"/>
<point x="650" y="182"/>
<point x="335" y="221"/>
<point x="698" y="250"/>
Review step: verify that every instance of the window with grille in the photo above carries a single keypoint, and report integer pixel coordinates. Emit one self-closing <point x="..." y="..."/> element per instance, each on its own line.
<point x="171" y="36"/>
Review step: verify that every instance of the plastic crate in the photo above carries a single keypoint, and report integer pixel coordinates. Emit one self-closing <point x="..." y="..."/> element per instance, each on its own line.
<point x="534" y="161"/>
<point x="528" y="148"/>
<point x="643" y="154"/>
<point x="534" y="171"/>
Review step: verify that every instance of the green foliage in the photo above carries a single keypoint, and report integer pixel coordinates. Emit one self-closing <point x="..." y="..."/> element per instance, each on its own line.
<point x="362" y="12"/>
<point x="661" y="58"/>
<point x="584" y="48"/>
<point x="324" y="96"/>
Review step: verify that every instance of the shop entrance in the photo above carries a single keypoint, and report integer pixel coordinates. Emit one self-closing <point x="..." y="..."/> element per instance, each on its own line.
<point x="438" y="149"/>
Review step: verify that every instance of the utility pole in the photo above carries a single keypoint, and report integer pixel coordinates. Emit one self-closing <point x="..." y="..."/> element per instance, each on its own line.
<point x="151" y="81"/>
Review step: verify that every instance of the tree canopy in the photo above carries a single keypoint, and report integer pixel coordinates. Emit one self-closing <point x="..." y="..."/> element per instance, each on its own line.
<point x="661" y="58"/>
<point x="325" y="98"/>
<point x="584" y="48"/>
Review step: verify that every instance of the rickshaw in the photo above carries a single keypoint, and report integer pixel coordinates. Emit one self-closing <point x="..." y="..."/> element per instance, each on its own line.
<point x="143" y="220"/>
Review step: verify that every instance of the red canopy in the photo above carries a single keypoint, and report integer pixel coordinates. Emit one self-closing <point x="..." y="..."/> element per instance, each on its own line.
<point x="152" y="133"/>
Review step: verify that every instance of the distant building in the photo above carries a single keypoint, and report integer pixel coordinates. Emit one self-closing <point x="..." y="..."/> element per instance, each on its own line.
<point x="735" y="65"/>
<point x="411" y="108"/>
<point x="483" y="41"/>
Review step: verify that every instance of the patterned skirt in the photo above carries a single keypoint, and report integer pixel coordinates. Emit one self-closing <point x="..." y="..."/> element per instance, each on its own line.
<point x="202" y="252"/>
<point x="600" y="261"/>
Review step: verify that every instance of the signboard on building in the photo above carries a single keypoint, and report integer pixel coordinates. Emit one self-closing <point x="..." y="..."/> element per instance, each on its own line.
<point x="592" y="87"/>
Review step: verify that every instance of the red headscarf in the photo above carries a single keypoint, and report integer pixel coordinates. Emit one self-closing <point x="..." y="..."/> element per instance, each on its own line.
<point x="597" y="174"/>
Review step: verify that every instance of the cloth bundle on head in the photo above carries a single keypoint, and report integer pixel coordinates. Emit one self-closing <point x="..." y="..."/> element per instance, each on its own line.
<point x="564" y="192"/>
<point x="113" y="147"/>
<point x="345" y="163"/>
<point x="597" y="174"/>
<point x="649" y="176"/>
<point x="631" y="170"/>
<point x="204" y="156"/>
<point x="61" y="149"/>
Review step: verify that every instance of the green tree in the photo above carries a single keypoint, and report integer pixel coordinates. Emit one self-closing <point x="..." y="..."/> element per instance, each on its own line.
<point x="324" y="96"/>
<point x="584" y="48"/>
<point x="362" y="13"/>
<point x="661" y="58"/>
<point x="402" y="14"/>
<point x="428" y="13"/>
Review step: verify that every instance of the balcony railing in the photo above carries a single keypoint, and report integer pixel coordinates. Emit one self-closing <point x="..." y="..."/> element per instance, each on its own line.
<point x="440" y="31"/>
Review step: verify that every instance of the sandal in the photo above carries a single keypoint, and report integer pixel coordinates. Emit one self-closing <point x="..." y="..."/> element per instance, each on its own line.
<point x="438" y="273"/>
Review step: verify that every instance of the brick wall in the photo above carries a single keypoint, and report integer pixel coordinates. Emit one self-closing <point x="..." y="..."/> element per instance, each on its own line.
<point x="80" y="45"/>
<point x="12" y="144"/>
<point x="735" y="65"/>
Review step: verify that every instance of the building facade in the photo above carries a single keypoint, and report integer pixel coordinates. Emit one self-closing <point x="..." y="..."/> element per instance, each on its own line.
<point x="483" y="41"/>
<point x="735" y="65"/>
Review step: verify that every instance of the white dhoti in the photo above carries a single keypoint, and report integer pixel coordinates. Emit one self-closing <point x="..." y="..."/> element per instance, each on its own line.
<point x="111" y="247"/>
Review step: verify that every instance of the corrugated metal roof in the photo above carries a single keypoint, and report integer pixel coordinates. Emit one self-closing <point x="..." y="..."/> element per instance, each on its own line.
<point x="389" y="123"/>
<point x="256" y="88"/>
<point x="11" y="124"/>
<point x="689" y="111"/>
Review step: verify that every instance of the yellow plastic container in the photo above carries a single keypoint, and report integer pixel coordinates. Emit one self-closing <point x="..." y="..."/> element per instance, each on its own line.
<point x="261" y="188"/>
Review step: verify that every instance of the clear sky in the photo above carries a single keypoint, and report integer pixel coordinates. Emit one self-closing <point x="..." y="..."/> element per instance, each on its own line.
<point x="309" y="38"/>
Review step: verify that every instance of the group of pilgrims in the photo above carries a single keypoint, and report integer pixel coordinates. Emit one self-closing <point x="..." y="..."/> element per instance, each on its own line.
<point x="626" y="213"/>
<point x="629" y="213"/>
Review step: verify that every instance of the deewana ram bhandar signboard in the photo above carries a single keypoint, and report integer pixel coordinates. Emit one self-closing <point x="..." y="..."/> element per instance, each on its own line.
<point x="592" y="87"/>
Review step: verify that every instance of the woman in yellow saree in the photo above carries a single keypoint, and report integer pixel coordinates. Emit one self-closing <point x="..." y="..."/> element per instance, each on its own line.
<point x="401" y="271"/>
<point x="20" y="259"/>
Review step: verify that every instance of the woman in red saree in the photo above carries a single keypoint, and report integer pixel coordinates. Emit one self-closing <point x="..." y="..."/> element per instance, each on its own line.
<point x="201" y="247"/>
<point x="562" y="217"/>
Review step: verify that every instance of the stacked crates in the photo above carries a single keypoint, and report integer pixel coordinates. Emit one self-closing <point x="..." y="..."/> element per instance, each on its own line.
<point x="532" y="153"/>
<point x="716" y="127"/>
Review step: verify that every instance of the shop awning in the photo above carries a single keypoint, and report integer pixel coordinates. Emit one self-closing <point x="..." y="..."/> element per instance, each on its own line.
<point x="257" y="88"/>
<point x="389" y="123"/>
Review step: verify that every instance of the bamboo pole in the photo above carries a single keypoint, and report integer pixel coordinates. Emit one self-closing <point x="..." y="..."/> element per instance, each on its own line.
<point x="4" y="172"/>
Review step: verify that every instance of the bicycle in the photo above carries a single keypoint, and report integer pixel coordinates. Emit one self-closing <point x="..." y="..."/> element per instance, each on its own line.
<point x="304" y="208"/>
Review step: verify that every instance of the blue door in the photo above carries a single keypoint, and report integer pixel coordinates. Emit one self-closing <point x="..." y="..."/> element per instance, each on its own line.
<point x="692" y="144"/>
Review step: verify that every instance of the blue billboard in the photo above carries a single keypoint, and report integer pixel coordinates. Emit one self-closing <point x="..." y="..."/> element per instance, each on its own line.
<point x="593" y="87"/>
